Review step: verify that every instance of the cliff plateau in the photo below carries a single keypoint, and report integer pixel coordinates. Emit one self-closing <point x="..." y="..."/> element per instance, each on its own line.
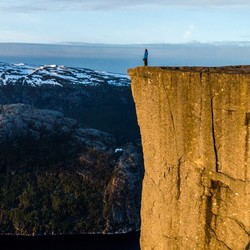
<point x="195" y="128"/>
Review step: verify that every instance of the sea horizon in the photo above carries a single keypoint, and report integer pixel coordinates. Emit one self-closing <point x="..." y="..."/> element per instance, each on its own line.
<point x="120" y="58"/>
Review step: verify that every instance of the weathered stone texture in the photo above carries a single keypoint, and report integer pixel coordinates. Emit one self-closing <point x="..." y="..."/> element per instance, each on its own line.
<point x="57" y="177"/>
<point x="195" y="128"/>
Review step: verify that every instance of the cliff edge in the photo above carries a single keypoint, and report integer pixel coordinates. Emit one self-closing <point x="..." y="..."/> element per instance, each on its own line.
<point x="195" y="128"/>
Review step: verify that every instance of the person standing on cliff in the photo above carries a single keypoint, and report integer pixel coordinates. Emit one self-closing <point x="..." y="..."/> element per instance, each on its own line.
<point x="145" y="58"/>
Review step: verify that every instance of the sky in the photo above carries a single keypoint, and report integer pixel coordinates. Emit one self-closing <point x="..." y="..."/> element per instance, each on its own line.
<point x="124" y="21"/>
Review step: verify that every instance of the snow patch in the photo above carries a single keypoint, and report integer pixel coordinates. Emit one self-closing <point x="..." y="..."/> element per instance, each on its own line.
<point x="58" y="75"/>
<point x="119" y="150"/>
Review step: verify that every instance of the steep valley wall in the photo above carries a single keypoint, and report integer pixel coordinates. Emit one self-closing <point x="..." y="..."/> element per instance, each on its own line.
<point x="195" y="128"/>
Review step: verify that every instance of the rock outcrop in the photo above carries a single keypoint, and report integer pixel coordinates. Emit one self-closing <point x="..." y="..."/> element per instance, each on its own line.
<point x="57" y="177"/>
<point x="195" y="128"/>
<point x="95" y="99"/>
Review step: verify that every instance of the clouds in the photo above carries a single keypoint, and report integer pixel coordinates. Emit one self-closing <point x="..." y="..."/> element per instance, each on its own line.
<point x="123" y="21"/>
<point x="189" y="32"/>
<point x="95" y="5"/>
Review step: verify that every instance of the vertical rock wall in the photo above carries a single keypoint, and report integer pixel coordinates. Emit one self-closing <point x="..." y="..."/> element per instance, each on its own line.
<point x="195" y="128"/>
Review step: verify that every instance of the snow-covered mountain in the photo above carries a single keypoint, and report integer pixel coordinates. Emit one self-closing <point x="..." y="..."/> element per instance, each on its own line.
<point x="57" y="75"/>
<point x="64" y="128"/>
<point x="98" y="100"/>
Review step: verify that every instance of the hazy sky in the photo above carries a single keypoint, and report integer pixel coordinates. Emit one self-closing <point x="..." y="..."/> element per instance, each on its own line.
<point x="124" y="21"/>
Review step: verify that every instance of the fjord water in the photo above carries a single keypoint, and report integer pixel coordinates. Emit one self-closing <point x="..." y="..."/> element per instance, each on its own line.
<point x="128" y="241"/>
<point x="119" y="65"/>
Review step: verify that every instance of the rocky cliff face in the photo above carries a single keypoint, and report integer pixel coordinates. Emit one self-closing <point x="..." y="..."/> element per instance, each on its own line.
<point x="195" y="128"/>
<point x="57" y="177"/>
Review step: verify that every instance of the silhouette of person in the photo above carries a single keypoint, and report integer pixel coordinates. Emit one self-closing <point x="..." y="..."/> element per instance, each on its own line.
<point x="145" y="58"/>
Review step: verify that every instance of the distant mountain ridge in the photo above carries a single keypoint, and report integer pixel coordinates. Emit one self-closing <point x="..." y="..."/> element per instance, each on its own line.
<point x="57" y="75"/>
<point x="99" y="100"/>
<point x="71" y="159"/>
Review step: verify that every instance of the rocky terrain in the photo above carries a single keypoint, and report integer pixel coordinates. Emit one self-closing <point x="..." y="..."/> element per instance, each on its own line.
<point x="71" y="159"/>
<point x="57" y="177"/>
<point x="98" y="100"/>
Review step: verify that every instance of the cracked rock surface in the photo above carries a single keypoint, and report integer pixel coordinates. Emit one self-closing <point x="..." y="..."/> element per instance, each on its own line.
<point x="195" y="128"/>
